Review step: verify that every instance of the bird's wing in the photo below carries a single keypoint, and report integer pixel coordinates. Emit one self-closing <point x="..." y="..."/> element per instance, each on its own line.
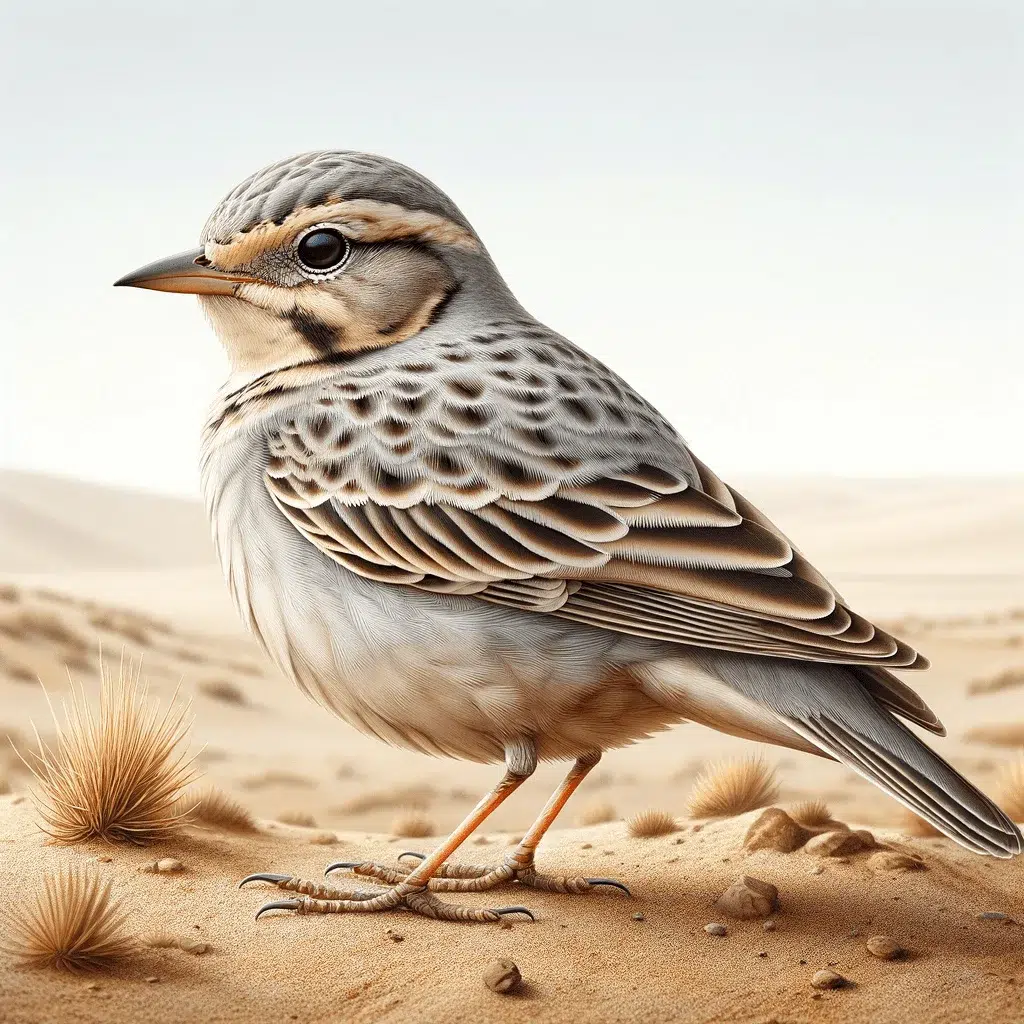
<point x="566" y="511"/>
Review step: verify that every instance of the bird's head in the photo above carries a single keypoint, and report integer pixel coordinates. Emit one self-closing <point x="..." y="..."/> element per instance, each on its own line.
<point x="325" y="255"/>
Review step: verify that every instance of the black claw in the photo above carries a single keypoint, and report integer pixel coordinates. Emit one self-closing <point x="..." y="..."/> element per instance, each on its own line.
<point x="279" y="905"/>
<point x="412" y="853"/>
<point x="262" y="877"/>
<point x="608" y="881"/>
<point x="502" y="911"/>
<point x="338" y="865"/>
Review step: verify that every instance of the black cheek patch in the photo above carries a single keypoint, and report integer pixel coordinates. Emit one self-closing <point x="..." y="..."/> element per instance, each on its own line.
<point x="319" y="335"/>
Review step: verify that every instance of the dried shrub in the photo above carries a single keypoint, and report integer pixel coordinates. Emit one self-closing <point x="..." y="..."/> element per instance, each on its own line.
<point x="1008" y="735"/>
<point x="597" y="812"/>
<point x="225" y="691"/>
<point x="115" y="773"/>
<point x="1006" y="680"/>
<point x="72" y="925"/>
<point x="648" y="824"/>
<point x="277" y="778"/>
<point x="214" y="807"/>
<point x="300" y="818"/>
<point x="1010" y="788"/>
<point x="414" y="797"/>
<point x="733" y="787"/>
<point x="411" y="825"/>
<point x="812" y="813"/>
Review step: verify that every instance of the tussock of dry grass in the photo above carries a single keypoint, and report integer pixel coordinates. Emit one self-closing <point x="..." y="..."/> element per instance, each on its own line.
<point x="1007" y="680"/>
<point x="733" y="787"/>
<point x="1010" y="788"/>
<point x="648" y="824"/>
<point x="1009" y="735"/>
<point x="597" y="812"/>
<point x="812" y="813"/>
<point x="277" y="778"/>
<point x="72" y="925"/>
<point x="115" y="772"/>
<point x="414" y="797"/>
<point x="300" y="818"/>
<point x="225" y="691"/>
<point x="912" y="825"/>
<point x="412" y="825"/>
<point x="214" y="807"/>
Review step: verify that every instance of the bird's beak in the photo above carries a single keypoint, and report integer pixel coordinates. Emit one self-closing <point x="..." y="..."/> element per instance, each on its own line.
<point x="186" y="272"/>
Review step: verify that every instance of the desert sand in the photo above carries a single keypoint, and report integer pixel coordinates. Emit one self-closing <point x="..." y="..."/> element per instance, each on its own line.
<point x="941" y="562"/>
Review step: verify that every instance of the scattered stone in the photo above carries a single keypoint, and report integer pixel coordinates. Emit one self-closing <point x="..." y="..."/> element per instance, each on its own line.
<point x="503" y="977"/>
<point x="716" y="929"/>
<point x="885" y="948"/>
<point x="164" y="866"/>
<point x="770" y="925"/>
<point x="92" y="986"/>
<point x="696" y="828"/>
<point x="828" y="979"/>
<point x="587" y="846"/>
<point x="763" y="955"/>
<point x="395" y="936"/>
<point x="152" y="979"/>
<point x="993" y="915"/>
<point x="893" y="860"/>
<point x="19" y="799"/>
<point x="748" y="897"/>
<point x="838" y="843"/>
<point x="193" y="946"/>
<point x="817" y="870"/>
<point x="774" y="829"/>
<point x="506" y="925"/>
<point x="639" y="917"/>
<point x="481" y="841"/>
<point x="853" y="934"/>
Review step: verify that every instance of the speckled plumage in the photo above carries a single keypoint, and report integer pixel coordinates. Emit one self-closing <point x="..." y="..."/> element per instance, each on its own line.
<point x="463" y="533"/>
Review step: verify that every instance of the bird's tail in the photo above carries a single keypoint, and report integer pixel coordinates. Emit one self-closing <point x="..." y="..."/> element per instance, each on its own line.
<point x="830" y="706"/>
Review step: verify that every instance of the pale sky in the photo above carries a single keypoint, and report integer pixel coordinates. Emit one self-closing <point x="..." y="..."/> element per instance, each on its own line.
<point x="794" y="226"/>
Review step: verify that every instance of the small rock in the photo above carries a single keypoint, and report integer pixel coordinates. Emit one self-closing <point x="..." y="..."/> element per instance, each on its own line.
<point x="587" y="846"/>
<point x="769" y="925"/>
<point x="817" y="870"/>
<point x="104" y="860"/>
<point x="193" y="946"/>
<point x="15" y="800"/>
<point x="774" y="829"/>
<point x="993" y="915"/>
<point x="506" y="925"/>
<point x="837" y="843"/>
<point x="639" y="917"/>
<point x="164" y="866"/>
<point x="716" y="929"/>
<point x="395" y="936"/>
<point x="503" y="977"/>
<point x="92" y="986"/>
<point x="481" y="841"/>
<point x="885" y="948"/>
<point x="152" y="979"/>
<point x="828" y="979"/>
<point x="892" y="860"/>
<point x="763" y="955"/>
<point x="749" y="897"/>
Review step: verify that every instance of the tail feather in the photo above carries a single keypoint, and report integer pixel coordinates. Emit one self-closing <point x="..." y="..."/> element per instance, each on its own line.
<point x="847" y="718"/>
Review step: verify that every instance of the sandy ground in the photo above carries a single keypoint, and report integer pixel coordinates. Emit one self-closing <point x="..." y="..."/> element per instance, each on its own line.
<point x="941" y="562"/>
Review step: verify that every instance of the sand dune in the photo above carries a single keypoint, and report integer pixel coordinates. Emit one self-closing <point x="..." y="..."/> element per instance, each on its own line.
<point x="941" y="561"/>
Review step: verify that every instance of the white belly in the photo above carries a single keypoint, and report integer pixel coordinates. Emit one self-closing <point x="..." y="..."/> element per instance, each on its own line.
<point x="444" y="675"/>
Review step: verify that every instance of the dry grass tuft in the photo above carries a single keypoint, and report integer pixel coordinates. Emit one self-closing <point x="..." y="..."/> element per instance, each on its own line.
<point x="597" y="812"/>
<point x="1008" y="735"/>
<point x="1010" y="788"/>
<point x="214" y="807"/>
<point x="1007" y="680"/>
<point x="733" y="787"/>
<point x="72" y="925"/>
<point x="648" y="824"/>
<point x="302" y="819"/>
<point x="912" y="825"/>
<point x="225" y="691"/>
<point x="812" y="813"/>
<point x="414" y="797"/>
<point x="412" y="825"/>
<point x="116" y="773"/>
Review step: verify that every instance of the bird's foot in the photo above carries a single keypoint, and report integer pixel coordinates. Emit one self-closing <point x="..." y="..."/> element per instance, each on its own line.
<point x="316" y="898"/>
<point x="517" y="867"/>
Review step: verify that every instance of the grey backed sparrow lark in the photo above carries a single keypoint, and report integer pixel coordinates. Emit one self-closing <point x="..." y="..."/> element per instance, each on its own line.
<point x="462" y="534"/>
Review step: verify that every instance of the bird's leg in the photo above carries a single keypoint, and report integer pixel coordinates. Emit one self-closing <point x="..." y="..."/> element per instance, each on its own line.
<point x="518" y="865"/>
<point x="411" y="891"/>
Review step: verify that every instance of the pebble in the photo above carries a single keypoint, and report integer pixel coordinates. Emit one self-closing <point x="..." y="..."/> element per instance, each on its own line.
<point x="165" y="866"/>
<point x="639" y="917"/>
<point x="774" y="829"/>
<point x="395" y="936"/>
<point x="104" y="860"/>
<point x="993" y="915"/>
<point x="503" y="976"/>
<point x="194" y="947"/>
<point x="770" y="925"/>
<point x="506" y="925"/>
<point x="828" y="979"/>
<point x="716" y="929"/>
<point x="885" y="947"/>
<point x="587" y="846"/>
<point x="152" y="979"/>
<point x="839" y="843"/>
<point x="891" y="860"/>
<point x="817" y="870"/>
<point x="748" y="898"/>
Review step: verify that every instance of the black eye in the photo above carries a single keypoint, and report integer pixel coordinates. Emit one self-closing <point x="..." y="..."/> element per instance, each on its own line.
<point x="323" y="249"/>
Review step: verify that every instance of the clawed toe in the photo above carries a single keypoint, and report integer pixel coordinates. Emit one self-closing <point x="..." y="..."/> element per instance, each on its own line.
<point x="609" y="881"/>
<point x="279" y="905"/>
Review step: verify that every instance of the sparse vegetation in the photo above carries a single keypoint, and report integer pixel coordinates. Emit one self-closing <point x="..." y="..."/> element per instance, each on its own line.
<point x="71" y="925"/>
<point x="300" y="818"/>
<point x="597" y="812"/>
<point x="1010" y="788"/>
<point x="733" y="787"/>
<point x="116" y="773"/>
<point x="214" y="807"/>
<point x="648" y="824"/>
<point x="412" y="825"/>
<point x="812" y="813"/>
<point x="1010" y="734"/>
<point x="225" y="691"/>
<point x="414" y="797"/>
<point x="1006" y="680"/>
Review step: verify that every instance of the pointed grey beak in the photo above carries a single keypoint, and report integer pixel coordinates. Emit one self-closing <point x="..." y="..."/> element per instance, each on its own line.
<point x="186" y="272"/>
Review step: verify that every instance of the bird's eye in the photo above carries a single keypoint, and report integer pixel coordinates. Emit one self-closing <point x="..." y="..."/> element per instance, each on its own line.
<point x="323" y="249"/>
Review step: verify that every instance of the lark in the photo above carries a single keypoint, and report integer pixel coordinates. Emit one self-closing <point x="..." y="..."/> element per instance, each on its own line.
<point x="459" y="532"/>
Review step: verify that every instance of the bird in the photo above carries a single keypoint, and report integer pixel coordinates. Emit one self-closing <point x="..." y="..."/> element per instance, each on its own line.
<point x="459" y="532"/>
